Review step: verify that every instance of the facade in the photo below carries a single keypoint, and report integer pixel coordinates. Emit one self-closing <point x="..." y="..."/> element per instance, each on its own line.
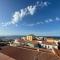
<point x="24" y="38"/>
<point x="18" y="42"/>
<point x="39" y="38"/>
<point x="30" y="38"/>
<point x="50" y="40"/>
<point x="49" y="44"/>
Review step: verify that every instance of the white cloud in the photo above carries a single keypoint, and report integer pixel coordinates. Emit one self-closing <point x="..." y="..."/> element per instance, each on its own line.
<point x="46" y="3"/>
<point x="15" y="17"/>
<point x="40" y="22"/>
<point x="46" y="21"/>
<point x="43" y="22"/>
<point x="29" y="10"/>
<point x="57" y="19"/>
<point x="50" y="20"/>
<point x="28" y="24"/>
<point x="33" y="24"/>
<point x="18" y="15"/>
<point x="5" y="24"/>
<point x="42" y="4"/>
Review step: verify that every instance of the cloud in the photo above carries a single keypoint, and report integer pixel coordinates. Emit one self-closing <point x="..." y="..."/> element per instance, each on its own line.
<point x="29" y="10"/>
<point x="5" y="24"/>
<point x="18" y="15"/>
<point x="46" y="3"/>
<point x="40" y="22"/>
<point x="28" y="24"/>
<point x="43" y="22"/>
<point x="33" y="24"/>
<point x="15" y="17"/>
<point x="57" y="19"/>
<point x="46" y="21"/>
<point x="50" y="20"/>
<point x="42" y="4"/>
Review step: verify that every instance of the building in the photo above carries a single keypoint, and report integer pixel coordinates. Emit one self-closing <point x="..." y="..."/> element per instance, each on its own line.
<point x="50" y="40"/>
<point x="49" y="43"/>
<point x="18" y="42"/>
<point x="24" y="38"/>
<point x="30" y="37"/>
<point x="39" y="38"/>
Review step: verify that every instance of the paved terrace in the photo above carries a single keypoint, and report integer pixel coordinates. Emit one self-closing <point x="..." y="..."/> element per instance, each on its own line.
<point x="26" y="53"/>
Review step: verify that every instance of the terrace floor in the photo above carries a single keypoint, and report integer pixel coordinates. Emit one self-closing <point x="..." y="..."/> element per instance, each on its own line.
<point x="26" y="53"/>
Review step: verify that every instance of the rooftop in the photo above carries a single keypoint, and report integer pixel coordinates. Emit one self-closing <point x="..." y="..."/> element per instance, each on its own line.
<point x="23" y="53"/>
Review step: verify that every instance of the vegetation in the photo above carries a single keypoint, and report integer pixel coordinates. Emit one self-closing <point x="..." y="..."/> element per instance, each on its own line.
<point x="4" y="42"/>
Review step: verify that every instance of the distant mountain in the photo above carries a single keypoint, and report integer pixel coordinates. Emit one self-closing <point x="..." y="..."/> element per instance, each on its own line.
<point x="10" y="37"/>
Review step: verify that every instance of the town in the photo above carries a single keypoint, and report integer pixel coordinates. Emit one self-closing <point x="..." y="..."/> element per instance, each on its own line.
<point x="29" y="29"/>
<point x="49" y="45"/>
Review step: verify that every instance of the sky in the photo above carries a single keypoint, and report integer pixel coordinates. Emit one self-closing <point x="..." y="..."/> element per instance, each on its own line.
<point x="23" y="17"/>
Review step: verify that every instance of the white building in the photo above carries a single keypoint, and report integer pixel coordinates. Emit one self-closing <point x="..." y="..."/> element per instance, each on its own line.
<point x="48" y="45"/>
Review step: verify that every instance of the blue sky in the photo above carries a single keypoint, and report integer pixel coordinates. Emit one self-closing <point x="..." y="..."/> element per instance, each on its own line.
<point x="21" y="17"/>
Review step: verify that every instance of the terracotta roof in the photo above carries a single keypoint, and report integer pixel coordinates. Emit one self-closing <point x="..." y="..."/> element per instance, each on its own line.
<point x="57" y="52"/>
<point x="48" y="43"/>
<point x="26" y="53"/>
<point x="5" y="57"/>
<point x="20" y="40"/>
<point x="34" y="42"/>
<point x="19" y="53"/>
<point x="47" y="56"/>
